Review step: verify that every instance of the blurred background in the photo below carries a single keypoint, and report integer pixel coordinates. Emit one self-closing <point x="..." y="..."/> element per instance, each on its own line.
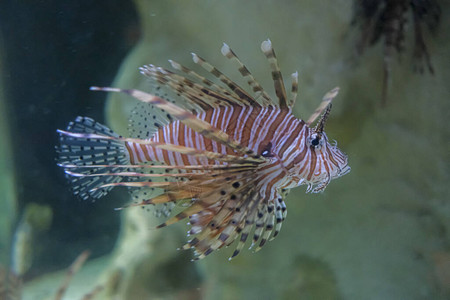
<point x="380" y="232"/>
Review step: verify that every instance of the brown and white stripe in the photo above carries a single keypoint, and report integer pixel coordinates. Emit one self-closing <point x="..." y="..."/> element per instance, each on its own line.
<point x="235" y="155"/>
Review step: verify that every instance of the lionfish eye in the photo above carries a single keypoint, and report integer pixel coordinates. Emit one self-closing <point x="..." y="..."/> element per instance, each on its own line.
<point x="315" y="141"/>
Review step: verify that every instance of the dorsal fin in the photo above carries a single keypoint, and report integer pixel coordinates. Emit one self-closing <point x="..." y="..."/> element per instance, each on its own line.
<point x="245" y="72"/>
<point x="280" y="90"/>
<point x="233" y="86"/>
<point x="294" y="90"/>
<point x="191" y="92"/>
<point x="145" y="120"/>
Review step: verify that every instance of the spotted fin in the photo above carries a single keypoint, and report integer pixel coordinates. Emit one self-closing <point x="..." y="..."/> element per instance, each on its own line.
<point x="239" y="208"/>
<point x="79" y="152"/>
<point x="145" y="120"/>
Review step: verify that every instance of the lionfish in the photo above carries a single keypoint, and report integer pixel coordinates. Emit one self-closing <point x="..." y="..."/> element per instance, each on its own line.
<point x="228" y="156"/>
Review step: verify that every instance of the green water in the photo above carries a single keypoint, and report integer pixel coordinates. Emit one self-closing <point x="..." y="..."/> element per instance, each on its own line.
<point x="379" y="232"/>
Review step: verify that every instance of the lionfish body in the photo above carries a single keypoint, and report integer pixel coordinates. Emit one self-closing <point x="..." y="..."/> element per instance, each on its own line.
<point x="232" y="155"/>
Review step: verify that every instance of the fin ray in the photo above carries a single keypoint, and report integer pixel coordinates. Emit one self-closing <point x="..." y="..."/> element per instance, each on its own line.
<point x="280" y="90"/>
<point x="79" y="151"/>
<point x="323" y="105"/>
<point x="187" y="118"/>
<point x="234" y="87"/>
<point x="244" y="71"/>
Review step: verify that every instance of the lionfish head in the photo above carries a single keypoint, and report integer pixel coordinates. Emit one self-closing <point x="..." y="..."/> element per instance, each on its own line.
<point x="325" y="160"/>
<point x="330" y="162"/>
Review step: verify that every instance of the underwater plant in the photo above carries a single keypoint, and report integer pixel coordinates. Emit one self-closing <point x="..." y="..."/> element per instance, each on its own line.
<point x="11" y="284"/>
<point x="386" y="20"/>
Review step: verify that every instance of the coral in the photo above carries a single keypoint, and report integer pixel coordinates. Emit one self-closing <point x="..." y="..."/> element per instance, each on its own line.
<point x="387" y="20"/>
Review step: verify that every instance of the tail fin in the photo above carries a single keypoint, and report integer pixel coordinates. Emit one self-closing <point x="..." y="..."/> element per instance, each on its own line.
<point x="79" y="155"/>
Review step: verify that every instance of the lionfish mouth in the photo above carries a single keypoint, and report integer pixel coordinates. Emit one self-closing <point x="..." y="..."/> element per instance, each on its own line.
<point x="343" y="171"/>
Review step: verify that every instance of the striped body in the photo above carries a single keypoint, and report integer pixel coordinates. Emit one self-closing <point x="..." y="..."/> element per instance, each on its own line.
<point x="232" y="155"/>
<point x="253" y="127"/>
<point x="276" y="131"/>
